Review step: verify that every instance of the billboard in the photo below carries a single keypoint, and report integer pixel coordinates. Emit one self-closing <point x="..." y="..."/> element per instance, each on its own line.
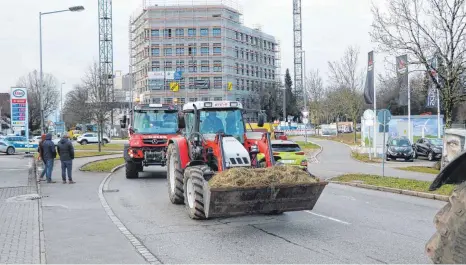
<point x="161" y="75"/>
<point x="19" y="110"/>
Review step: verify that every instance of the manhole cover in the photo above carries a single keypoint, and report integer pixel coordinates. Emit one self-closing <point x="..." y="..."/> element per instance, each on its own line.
<point x="23" y="198"/>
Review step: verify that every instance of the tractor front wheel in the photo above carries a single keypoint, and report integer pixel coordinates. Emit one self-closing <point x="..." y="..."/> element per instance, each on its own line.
<point x="174" y="175"/>
<point x="194" y="191"/>
<point x="131" y="170"/>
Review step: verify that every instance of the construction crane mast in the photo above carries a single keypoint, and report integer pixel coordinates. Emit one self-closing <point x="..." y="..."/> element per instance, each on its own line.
<point x="106" y="51"/>
<point x="298" y="55"/>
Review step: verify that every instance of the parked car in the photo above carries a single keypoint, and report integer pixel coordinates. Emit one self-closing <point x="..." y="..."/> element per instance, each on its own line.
<point x="428" y="147"/>
<point x="399" y="147"/>
<point x="89" y="138"/>
<point x="21" y="142"/>
<point x="6" y="147"/>
<point x="288" y="153"/>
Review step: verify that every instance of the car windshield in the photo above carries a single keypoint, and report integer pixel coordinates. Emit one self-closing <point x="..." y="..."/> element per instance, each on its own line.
<point x="400" y="142"/>
<point x="437" y="142"/>
<point x="286" y="148"/>
<point x="155" y="122"/>
<point x="229" y="121"/>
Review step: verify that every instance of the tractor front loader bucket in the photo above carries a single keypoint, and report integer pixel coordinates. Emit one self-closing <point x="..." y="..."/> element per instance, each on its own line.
<point x="226" y="202"/>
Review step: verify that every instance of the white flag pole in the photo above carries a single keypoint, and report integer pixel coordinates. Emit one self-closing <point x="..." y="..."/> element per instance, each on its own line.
<point x="374" y="143"/>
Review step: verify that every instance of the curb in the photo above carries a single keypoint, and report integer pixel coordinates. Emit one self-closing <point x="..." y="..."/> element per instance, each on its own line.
<point x="42" y="252"/>
<point x="397" y="191"/>
<point x="140" y="248"/>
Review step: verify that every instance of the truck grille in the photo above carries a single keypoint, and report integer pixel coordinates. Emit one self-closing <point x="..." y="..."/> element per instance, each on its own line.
<point x="155" y="141"/>
<point x="239" y="161"/>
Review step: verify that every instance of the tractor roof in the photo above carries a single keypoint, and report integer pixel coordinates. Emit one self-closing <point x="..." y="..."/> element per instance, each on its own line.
<point x="155" y="107"/>
<point x="213" y="105"/>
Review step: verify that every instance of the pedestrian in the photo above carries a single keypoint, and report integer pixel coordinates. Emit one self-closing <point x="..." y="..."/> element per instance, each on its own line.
<point x="40" y="150"/>
<point x="66" y="152"/>
<point x="50" y="154"/>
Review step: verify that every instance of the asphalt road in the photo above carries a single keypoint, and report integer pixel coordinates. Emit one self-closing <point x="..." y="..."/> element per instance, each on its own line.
<point x="336" y="159"/>
<point x="348" y="225"/>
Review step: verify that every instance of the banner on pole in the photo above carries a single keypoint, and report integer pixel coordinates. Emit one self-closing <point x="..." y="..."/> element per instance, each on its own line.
<point x="369" y="86"/>
<point x="402" y="78"/>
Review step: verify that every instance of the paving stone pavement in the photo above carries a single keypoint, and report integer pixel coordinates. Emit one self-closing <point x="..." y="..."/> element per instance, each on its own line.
<point x="19" y="215"/>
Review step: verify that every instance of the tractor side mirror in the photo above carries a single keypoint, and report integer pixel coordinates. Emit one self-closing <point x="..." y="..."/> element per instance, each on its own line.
<point x="261" y="120"/>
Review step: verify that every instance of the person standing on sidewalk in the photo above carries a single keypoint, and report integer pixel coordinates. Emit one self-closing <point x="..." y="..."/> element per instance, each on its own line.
<point x="66" y="152"/>
<point x="40" y="150"/>
<point x="49" y="156"/>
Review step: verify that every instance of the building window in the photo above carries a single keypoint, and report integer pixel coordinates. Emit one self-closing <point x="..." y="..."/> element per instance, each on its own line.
<point x="217" y="66"/>
<point x="216" y="32"/>
<point x="155" y="66"/>
<point x="156" y="100"/>
<point x="182" y="100"/>
<point x="236" y="52"/>
<point x="191" y="32"/>
<point x="192" y="51"/>
<point x="217" y="48"/>
<point x="237" y="35"/>
<point x="192" y="99"/>
<point x="179" y="51"/>
<point x="242" y="69"/>
<point x="205" y="99"/>
<point x="247" y="55"/>
<point x="242" y="37"/>
<point x="168" y="51"/>
<point x="247" y="70"/>
<point x="154" y="33"/>
<point x="218" y="99"/>
<point x="168" y="64"/>
<point x="192" y="66"/>
<point x="247" y="85"/>
<point x="204" y="32"/>
<point x="168" y="100"/>
<point x="217" y="82"/>
<point x="205" y="66"/>
<point x="237" y="68"/>
<point x="204" y="50"/>
<point x="179" y="32"/>
<point x="242" y="54"/>
<point x="180" y="65"/>
<point x="167" y="33"/>
<point x="155" y="51"/>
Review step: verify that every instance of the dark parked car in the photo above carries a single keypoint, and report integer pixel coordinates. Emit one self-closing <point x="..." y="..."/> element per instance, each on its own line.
<point x="428" y="147"/>
<point x="399" y="147"/>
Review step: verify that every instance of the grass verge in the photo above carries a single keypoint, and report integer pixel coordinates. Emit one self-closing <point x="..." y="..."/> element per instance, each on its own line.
<point x="429" y="170"/>
<point x="81" y="154"/>
<point x="364" y="158"/>
<point x="308" y="146"/>
<point x="103" y="165"/>
<point x="396" y="183"/>
<point x="107" y="147"/>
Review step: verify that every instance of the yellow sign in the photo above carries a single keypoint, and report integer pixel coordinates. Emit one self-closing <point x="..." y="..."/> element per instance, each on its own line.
<point x="174" y="86"/>
<point x="230" y="86"/>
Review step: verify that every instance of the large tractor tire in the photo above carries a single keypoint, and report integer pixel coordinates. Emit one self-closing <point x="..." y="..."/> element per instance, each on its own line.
<point x="131" y="170"/>
<point x="448" y="244"/>
<point x="194" y="191"/>
<point x="175" y="175"/>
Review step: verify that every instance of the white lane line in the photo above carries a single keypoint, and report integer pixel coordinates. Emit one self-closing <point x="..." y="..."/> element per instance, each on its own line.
<point x="328" y="217"/>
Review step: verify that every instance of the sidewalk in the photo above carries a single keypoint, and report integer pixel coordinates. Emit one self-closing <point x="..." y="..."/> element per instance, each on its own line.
<point x="19" y="211"/>
<point x="76" y="226"/>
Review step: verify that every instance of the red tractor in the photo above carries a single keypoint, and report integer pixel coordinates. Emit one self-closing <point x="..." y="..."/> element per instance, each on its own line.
<point x="214" y="140"/>
<point x="151" y="127"/>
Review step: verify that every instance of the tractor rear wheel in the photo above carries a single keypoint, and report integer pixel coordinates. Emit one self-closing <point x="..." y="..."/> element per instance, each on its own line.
<point x="194" y="191"/>
<point x="447" y="244"/>
<point x="174" y="175"/>
<point x="131" y="170"/>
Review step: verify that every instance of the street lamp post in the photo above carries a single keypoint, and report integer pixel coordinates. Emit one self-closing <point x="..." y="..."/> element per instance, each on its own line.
<point x="41" y="84"/>
<point x="61" y="101"/>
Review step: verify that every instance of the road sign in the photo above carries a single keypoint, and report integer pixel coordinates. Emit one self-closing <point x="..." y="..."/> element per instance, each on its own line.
<point x="305" y="120"/>
<point x="230" y="86"/>
<point x="178" y="75"/>
<point x="174" y="86"/>
<point x="368" y="114"/>
<point x="380" y="116"/>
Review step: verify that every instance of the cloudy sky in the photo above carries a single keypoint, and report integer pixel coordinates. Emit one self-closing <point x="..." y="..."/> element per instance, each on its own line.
<point x="70" y="40"/>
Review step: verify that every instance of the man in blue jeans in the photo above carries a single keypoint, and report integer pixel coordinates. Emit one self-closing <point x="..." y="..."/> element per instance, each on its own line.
<point x="49" y="156"/>
<point x="66" y="151"/>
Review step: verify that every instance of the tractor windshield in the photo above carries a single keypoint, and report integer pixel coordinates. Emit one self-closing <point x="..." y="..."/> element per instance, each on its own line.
<point x="155" y="122"/>
<point x="229" y="121"/>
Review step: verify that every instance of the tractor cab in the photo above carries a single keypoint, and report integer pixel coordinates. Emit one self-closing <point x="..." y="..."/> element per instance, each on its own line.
<point x="152" y="119"/>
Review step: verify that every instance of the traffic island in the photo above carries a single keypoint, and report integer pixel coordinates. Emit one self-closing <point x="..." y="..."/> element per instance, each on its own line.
<point x="105" y="165"/>
<point x="410" y="187"/>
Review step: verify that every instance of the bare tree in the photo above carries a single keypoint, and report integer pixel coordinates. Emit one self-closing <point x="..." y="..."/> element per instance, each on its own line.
<point x="424" y="29"/>
<point x="315" y="89"/>
<point x="98" y="98"/>
<point x="347" y="79"/>
<point x="73" y="110"/>
<point x="50" y="96"/>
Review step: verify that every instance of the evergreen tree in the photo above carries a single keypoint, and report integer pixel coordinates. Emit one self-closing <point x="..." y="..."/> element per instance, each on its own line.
<point x="291" y="106"/>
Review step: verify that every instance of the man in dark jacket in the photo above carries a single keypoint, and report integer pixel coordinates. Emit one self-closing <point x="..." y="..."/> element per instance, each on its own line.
<point x="66" y="151"/>
<point x="49" y="156"/>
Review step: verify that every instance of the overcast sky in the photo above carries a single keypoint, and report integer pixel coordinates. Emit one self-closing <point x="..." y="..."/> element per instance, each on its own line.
<point x="70" y="40"/>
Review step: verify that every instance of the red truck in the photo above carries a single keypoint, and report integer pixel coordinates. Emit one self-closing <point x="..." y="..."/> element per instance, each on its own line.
<point x="150" y="127"/>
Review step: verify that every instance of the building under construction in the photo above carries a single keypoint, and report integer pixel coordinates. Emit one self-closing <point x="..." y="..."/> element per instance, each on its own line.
<point x="204" y="40"/>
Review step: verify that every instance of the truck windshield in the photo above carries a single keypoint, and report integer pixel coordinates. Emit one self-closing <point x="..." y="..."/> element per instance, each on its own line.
<point x="155" y="122"/>
<point x="229" y="121"/>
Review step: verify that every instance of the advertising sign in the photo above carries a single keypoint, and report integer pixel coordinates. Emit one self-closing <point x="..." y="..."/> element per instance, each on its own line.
<point x="160" y="75"/>
<point x="19" y="110"/>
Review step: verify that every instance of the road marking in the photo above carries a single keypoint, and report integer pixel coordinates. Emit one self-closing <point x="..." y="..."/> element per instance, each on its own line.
<point x="328" y="217"/>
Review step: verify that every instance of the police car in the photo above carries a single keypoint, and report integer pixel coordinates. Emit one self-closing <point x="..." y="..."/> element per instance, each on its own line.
<point x="20" y="143"/>
<point x="6" y="147"/>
